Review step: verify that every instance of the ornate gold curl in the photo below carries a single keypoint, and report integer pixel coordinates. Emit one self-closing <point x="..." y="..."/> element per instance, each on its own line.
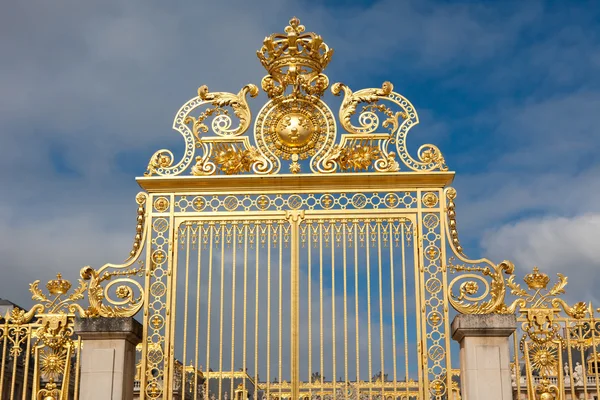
<point x="60" y="301"/>
<point x="221" y="126"/>
<point x="161" y="163"/>
<point x="465" y="302"/>
<point x="429" y="156"/>
<point x="471" y="297"/>
<point x="97" y="295"/>
<point x="352" y="100"/>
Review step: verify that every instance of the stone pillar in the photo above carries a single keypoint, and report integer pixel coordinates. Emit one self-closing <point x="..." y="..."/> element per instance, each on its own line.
<point x="484" y="355"/>
<point x="107" y="357"/>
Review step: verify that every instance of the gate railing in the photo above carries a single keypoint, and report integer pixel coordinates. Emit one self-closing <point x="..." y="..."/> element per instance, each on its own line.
<point x="556" y="347"/>
<point x="39" y="350"/>
<point x="40" y="353"/>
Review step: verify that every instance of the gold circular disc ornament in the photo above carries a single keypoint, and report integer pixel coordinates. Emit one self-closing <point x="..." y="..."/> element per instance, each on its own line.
<point x="294" y="128"/>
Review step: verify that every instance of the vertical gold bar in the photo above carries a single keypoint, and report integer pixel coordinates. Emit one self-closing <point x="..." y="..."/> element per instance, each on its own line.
<point x="404" y="295"/>
<point x="423" y="374"/>
<point x="35" y="383"/>
<point x="518" y="366"/>
<point x="223" y="228"/>
<point x="268" y="380"/>
<point x="14" y="368"/>
<point x="332" y="227"/>
<point x="280" y="298"/>
<point x="256" y="230"/>
<point x="26" y="370"/>
<point x="583" y="369"/>
<point x="198" y="282"/>
<point x="172" y="261"/>
<point x="4" y="346"/>
<point x="245" y="301"/>
<point x="233" y="271"/>
<point x="148" y="274"/>
<point x="357" y="327"/>
<point x="368" y="240"/>
<point x="185" y="303"/>
<point x="64" y="387"/>
<point x="321" y="300"/>
<point x="77" y="370"/>
<point x="594" y="342"/>
<point x="309" y="230"/>
<point x="530" y="387"/>
<point x="294" y="218"/>
<point x="392" y="296"/>
<point x="444" y="278"/>
<point x="560" y="377"/>
<point x="570" y="356"/>
<point x="211" y="229"/>
<point x="344" y="266"/>
<point x="380" y="275"/>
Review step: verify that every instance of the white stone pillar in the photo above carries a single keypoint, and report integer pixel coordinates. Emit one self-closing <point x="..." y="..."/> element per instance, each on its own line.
<point x="107" y="357"/>
<point x="484" y="355"/>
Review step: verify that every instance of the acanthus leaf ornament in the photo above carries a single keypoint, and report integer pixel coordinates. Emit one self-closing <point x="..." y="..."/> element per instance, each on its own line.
<point x="350" y="102"/>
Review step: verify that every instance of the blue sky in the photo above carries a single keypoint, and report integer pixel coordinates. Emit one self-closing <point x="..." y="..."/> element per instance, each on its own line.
<point x="509" y="91"/>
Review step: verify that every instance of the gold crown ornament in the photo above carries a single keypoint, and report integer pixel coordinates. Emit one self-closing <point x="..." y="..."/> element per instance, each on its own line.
<point x="536" y="280"/>
<point x="294" y="58"/>
<point x="58" y="286"/>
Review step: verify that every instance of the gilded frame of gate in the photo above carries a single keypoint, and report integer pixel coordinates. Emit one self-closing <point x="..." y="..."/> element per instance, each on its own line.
<point x="399" y="196"/>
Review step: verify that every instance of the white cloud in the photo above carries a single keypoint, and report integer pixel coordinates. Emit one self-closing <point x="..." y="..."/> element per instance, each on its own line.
<point x="554" y="244"/>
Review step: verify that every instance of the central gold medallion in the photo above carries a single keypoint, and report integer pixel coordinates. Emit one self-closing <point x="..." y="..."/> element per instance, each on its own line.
<point x="295" y="130"/>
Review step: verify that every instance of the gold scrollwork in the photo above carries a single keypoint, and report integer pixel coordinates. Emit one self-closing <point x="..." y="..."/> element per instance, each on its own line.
<point x="161" y="163"/>
<point x="481" y="283"/>
<point x="429" y="156"/>
<point x="369" y="121"/>
<point x="127" y="306"/>
<point x="221" y="124"/>
<point x="127" y="303"/>
<point x="467" y="302"/>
